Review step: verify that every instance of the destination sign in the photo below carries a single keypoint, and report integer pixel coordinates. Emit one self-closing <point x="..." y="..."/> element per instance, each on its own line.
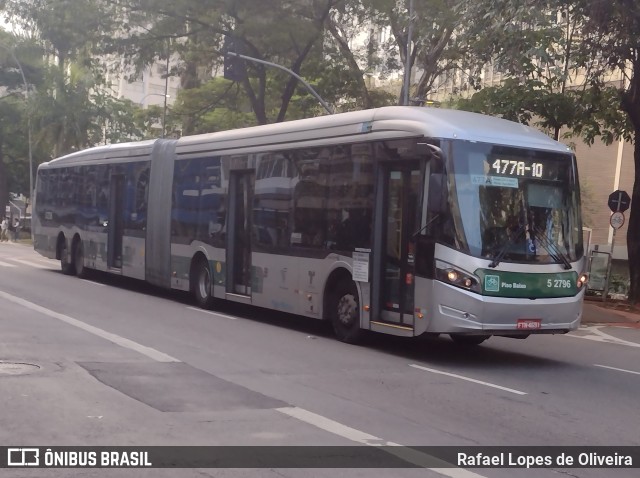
<point x="525" y="168"/>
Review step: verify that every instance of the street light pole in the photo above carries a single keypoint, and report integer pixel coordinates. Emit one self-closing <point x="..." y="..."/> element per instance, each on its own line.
<point x="295" y="75"/>
<point x="164" y="111"/>
<point x="26" y="94"/>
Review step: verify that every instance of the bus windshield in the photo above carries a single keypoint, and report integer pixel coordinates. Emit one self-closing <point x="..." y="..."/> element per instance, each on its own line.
<point x="515" y="205"/>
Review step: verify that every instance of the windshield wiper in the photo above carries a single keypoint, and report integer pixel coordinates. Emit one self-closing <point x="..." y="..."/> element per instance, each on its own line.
<point x="554" y="251"/>
<point x="415" y="234"/>
<point x="496" y="260"/>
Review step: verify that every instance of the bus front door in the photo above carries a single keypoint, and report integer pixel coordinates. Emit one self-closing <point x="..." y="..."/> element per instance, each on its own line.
<point x="399" y="210"/>
<point x="241" y="185"/>
<point x="116" y="222"/>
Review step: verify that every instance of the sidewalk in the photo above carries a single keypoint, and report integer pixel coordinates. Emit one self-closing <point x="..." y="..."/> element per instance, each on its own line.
<point x="19" y="242"/>
<point x="595" y="313"/>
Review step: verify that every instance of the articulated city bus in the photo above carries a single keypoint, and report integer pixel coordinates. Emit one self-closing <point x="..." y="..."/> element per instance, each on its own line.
<point x="400" y="220"/>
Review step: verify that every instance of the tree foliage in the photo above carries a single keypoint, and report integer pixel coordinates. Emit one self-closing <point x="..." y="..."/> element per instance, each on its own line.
<point x="196" y="31"/>
<point x="66" y="103"/>
<point x="537" y="47"/>
<point x="611" y="35"/>
<point x="18" y="57"/>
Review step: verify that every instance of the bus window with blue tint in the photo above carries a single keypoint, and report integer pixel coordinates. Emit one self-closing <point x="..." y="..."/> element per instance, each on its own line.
<point x="186" y="200"/>
<point x="212" y="210"/>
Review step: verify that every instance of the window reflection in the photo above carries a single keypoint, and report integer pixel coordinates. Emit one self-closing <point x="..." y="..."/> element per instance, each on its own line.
<point x="525" y="202"/>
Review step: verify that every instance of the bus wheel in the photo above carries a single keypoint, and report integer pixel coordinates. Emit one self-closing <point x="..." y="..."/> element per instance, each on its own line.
<point x="202" y="284"/>
<point x="66" y="266"/>
<point x="468" y="340"/>
<point x="78" y="260"/>
<point x="345" y="312"/>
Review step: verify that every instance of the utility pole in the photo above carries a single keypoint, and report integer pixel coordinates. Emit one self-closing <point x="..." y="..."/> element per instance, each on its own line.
<point x="407" y="62"/>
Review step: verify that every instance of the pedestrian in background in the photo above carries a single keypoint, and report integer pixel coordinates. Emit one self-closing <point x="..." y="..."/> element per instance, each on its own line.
<point x="4" y="230"/>
<point x="16" y="228"/>
<point x="11" y="229"/>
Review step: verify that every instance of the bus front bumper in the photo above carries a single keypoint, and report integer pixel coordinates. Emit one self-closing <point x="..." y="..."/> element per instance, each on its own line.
<point x="459" y="311"/>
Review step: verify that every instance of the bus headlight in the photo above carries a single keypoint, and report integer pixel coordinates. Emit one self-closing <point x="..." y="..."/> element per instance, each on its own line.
<point x="456" y="277"/>
<point x="582" y="280"/>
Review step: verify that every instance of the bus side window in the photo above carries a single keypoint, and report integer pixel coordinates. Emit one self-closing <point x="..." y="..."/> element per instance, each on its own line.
<point x="102" y="203"/>
<point x="138" y="218"/>
<point x="350" y="201"/>
<point x="309" y="215"/>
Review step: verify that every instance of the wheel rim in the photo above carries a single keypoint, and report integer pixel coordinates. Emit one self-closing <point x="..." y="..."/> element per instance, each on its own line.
<point x="347" y="310"/>
<point x="204" y="283"/>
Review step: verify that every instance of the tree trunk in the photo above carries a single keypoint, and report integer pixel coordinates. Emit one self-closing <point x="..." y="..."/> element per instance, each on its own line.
<point x="631" y="104"/>
<point x="290" y="87"/>
<point x="257" y="100"/>
<point x="633" y="230"/>
<point x="429" y="63"/>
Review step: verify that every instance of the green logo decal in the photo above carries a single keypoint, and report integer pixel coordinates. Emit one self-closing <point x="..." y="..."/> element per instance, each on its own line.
<point x="492" y="283"/>
<point x="528" y="284"/>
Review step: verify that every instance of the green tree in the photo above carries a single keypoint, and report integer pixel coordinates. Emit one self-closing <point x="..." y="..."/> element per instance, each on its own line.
<point x="611" y="35"/>
<point x="440" y="32"/>
<point x="369" y="38"/>
<point x="14" y="171"/>
<point x="18" y="57"/>
<point x="197" y="31"/>
<point x="216" y="105"/>
<point x="71" y="107"/>
<point x="537" y="47"/>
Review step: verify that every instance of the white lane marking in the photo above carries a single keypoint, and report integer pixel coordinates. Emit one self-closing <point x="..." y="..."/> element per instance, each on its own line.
<point x="6" y="264"/>
<point x="600" y="336"/>
<point x="92" y="282"/>
<point x="618" y="369"/>
<point x="213" y="313"/>
<point x="407" y="454"/>
<point x="468" y="379"/>
<point x="606" y="336"/>
<point x="32" y="264"/>
<point x="116" y="339"/>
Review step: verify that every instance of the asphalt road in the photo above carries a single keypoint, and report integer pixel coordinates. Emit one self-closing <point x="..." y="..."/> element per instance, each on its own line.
<point x="120" y="363"/>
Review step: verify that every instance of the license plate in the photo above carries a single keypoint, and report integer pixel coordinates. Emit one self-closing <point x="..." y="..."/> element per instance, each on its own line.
<point x="528" y="324"/>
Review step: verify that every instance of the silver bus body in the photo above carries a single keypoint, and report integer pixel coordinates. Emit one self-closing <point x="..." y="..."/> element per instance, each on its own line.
<point x="249" y="180"/>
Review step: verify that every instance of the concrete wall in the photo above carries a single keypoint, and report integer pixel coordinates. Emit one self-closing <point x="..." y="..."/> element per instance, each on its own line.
<point x="602" y="170"/>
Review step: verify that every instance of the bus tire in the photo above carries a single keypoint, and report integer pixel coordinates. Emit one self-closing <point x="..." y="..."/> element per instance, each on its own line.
<point x="344" y="310"/>
<point x="202" y="284"/>
<point x="468" y="340"/>
<point x="66" y="266"/>
<point x="78" y="260"/>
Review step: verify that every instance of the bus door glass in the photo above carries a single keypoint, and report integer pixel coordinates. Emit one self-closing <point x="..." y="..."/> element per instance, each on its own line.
<point x="398" y="255"/>
<point x="116" y="224"/>
<point x="239" y="236"/>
